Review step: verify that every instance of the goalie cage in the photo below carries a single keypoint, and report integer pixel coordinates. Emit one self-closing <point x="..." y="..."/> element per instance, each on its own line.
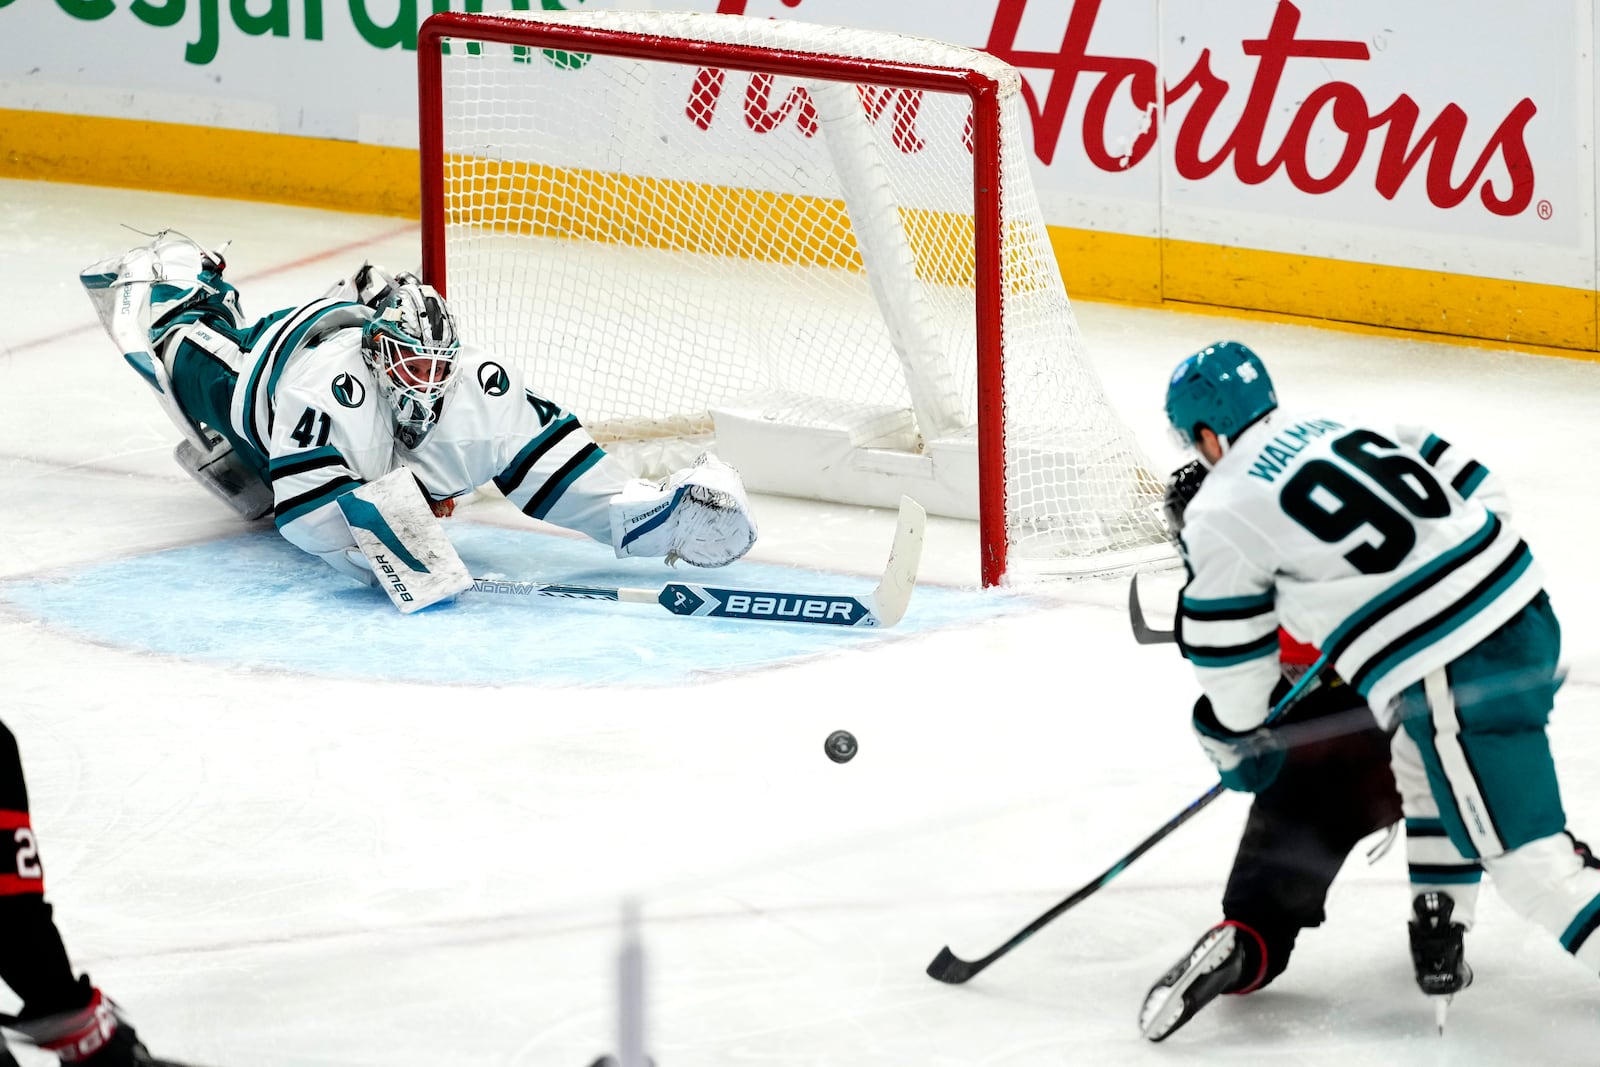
<point x="817" y="249"/>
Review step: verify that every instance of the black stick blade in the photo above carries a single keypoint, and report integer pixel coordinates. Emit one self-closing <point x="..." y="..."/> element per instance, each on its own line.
<point x="949" y="968"/>
<point x="1143" y="632"/>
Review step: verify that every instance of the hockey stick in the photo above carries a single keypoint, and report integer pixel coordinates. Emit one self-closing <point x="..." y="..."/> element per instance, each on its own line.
<point x="951" y="969"/>
<point x="1143" y="632"/>
<point x="884" y="606"/>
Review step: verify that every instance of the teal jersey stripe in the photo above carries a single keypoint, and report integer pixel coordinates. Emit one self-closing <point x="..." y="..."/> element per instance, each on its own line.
<point x="1254" y="603"/>
<point x="276" y="356"/>
<point x="553" y="493"/>
<point x="1402" y="591"/>
<point x="1474" y="480"/>
<point x="1245" y="656"/>
<point x="297" y="458"/>
<point x="510" y="479"/>
<point x="285" y="346"/>
<point x="312" y="502"/>
<point x="1445" y="623"/>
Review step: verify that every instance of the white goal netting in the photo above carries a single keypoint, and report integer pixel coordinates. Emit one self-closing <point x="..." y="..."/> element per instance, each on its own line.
<point x="815" y="249"/>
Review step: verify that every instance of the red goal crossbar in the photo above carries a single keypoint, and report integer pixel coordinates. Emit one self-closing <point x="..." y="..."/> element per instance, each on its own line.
<point x="441" y="28"/>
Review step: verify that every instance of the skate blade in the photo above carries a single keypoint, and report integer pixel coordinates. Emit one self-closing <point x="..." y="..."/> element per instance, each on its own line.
<point x="1441" y="1009"/>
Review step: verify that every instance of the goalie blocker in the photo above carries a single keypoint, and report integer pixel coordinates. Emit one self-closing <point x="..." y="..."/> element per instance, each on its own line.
<point x="401" y="542"/>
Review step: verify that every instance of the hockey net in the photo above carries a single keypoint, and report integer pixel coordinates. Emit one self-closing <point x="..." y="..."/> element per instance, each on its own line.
<point x="814" y="249"/>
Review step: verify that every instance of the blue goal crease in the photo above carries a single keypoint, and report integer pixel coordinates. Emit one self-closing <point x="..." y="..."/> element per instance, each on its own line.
<point x="256" y="602"/>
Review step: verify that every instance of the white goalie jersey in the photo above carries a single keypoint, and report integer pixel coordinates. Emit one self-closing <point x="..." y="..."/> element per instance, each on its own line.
<point x="494" y="428"/>
<point x="1382" y="546"/>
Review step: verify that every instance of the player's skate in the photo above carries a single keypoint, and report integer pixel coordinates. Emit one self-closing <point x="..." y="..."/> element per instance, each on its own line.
<point x="1438" y="951"/>
<point x="1214" y="966"/>
<point x="93" y="1036"/>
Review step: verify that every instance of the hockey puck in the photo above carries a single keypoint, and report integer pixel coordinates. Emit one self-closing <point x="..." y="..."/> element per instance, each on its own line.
<point x="840" y="746"/>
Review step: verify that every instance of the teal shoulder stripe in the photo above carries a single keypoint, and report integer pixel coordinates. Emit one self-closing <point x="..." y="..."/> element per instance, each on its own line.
<point x="1424" y="823"/>
<point x="285" y="346"/>
<point x="1448" y="623"/>
<point x="1474" y="480"/>
<point x="553" y="494"/>
<point x="253" y="334"/>
<point x="310" y="504"/>
<point x="1259" y="602"/>
<point x="98" y="281"/>
<point x="1387" y="599"/>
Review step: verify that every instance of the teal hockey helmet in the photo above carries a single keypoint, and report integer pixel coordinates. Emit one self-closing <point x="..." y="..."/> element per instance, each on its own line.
<point x="1224" y="386"/>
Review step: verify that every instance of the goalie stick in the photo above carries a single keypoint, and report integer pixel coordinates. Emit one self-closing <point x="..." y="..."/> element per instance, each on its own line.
<point x="951" y="969"/>
<point x="884" y="606"/>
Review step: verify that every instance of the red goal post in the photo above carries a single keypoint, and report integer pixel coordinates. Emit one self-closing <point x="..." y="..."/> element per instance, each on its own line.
<point x="890" y="287"/>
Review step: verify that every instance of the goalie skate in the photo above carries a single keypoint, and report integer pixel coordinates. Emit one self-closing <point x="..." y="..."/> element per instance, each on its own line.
<point x="1214" y="966"/>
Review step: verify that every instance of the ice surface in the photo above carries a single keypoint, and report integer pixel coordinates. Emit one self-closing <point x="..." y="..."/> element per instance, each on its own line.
<point x="284" y="826"/>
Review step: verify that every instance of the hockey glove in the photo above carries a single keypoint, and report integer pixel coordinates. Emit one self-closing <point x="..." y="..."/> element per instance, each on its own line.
<point x="1182" y="485"/>
<point x="1248" y="762"/>
<point x="700" y="515"/>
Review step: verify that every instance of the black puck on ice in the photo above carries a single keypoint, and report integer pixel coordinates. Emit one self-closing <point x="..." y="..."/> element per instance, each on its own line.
<point x="840" y="746"/>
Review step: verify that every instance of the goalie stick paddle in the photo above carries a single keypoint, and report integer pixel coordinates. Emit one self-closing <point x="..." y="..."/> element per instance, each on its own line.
<point x="951" y="969"/>
<point x="884" y="606"/>
<point x="1142" y="631"/>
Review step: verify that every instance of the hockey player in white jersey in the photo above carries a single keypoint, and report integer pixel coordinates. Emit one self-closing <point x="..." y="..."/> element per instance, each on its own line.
<point x="1391" y="551"/>
<point x="291" y="412"/>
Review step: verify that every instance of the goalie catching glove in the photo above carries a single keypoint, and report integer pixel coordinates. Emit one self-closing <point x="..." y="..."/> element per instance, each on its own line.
<point x="700" y="515"/>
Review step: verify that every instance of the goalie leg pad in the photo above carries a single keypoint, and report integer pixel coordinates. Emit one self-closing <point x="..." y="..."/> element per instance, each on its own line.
<point x="226" y="476"/>
<point x="700" y="515"/>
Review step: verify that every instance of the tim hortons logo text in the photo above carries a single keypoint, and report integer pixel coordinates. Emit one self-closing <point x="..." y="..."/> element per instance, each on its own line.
<point x="1404" y="142"/>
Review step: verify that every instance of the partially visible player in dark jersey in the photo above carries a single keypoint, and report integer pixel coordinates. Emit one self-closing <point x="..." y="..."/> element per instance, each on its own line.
<point x="61" y="1012"/>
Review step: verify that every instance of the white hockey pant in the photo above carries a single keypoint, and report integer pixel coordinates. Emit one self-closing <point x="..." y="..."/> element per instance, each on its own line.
<point x="1543" y="880"/>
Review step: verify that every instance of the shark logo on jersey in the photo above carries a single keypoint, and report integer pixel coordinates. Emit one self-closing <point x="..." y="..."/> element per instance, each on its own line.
<point x="348" y="390"/>
<point x="493" y="379"/>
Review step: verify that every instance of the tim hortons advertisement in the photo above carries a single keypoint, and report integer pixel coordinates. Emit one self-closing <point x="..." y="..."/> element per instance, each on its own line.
<point x="1453" y="135"/>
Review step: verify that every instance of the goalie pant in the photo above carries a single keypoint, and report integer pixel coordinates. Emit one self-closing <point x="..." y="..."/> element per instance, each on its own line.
<point x="1330" y="794"/>
<point x="60" y="1011"/>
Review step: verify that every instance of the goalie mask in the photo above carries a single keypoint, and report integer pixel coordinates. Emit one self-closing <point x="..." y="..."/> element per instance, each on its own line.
<point x="411" y="348"/>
